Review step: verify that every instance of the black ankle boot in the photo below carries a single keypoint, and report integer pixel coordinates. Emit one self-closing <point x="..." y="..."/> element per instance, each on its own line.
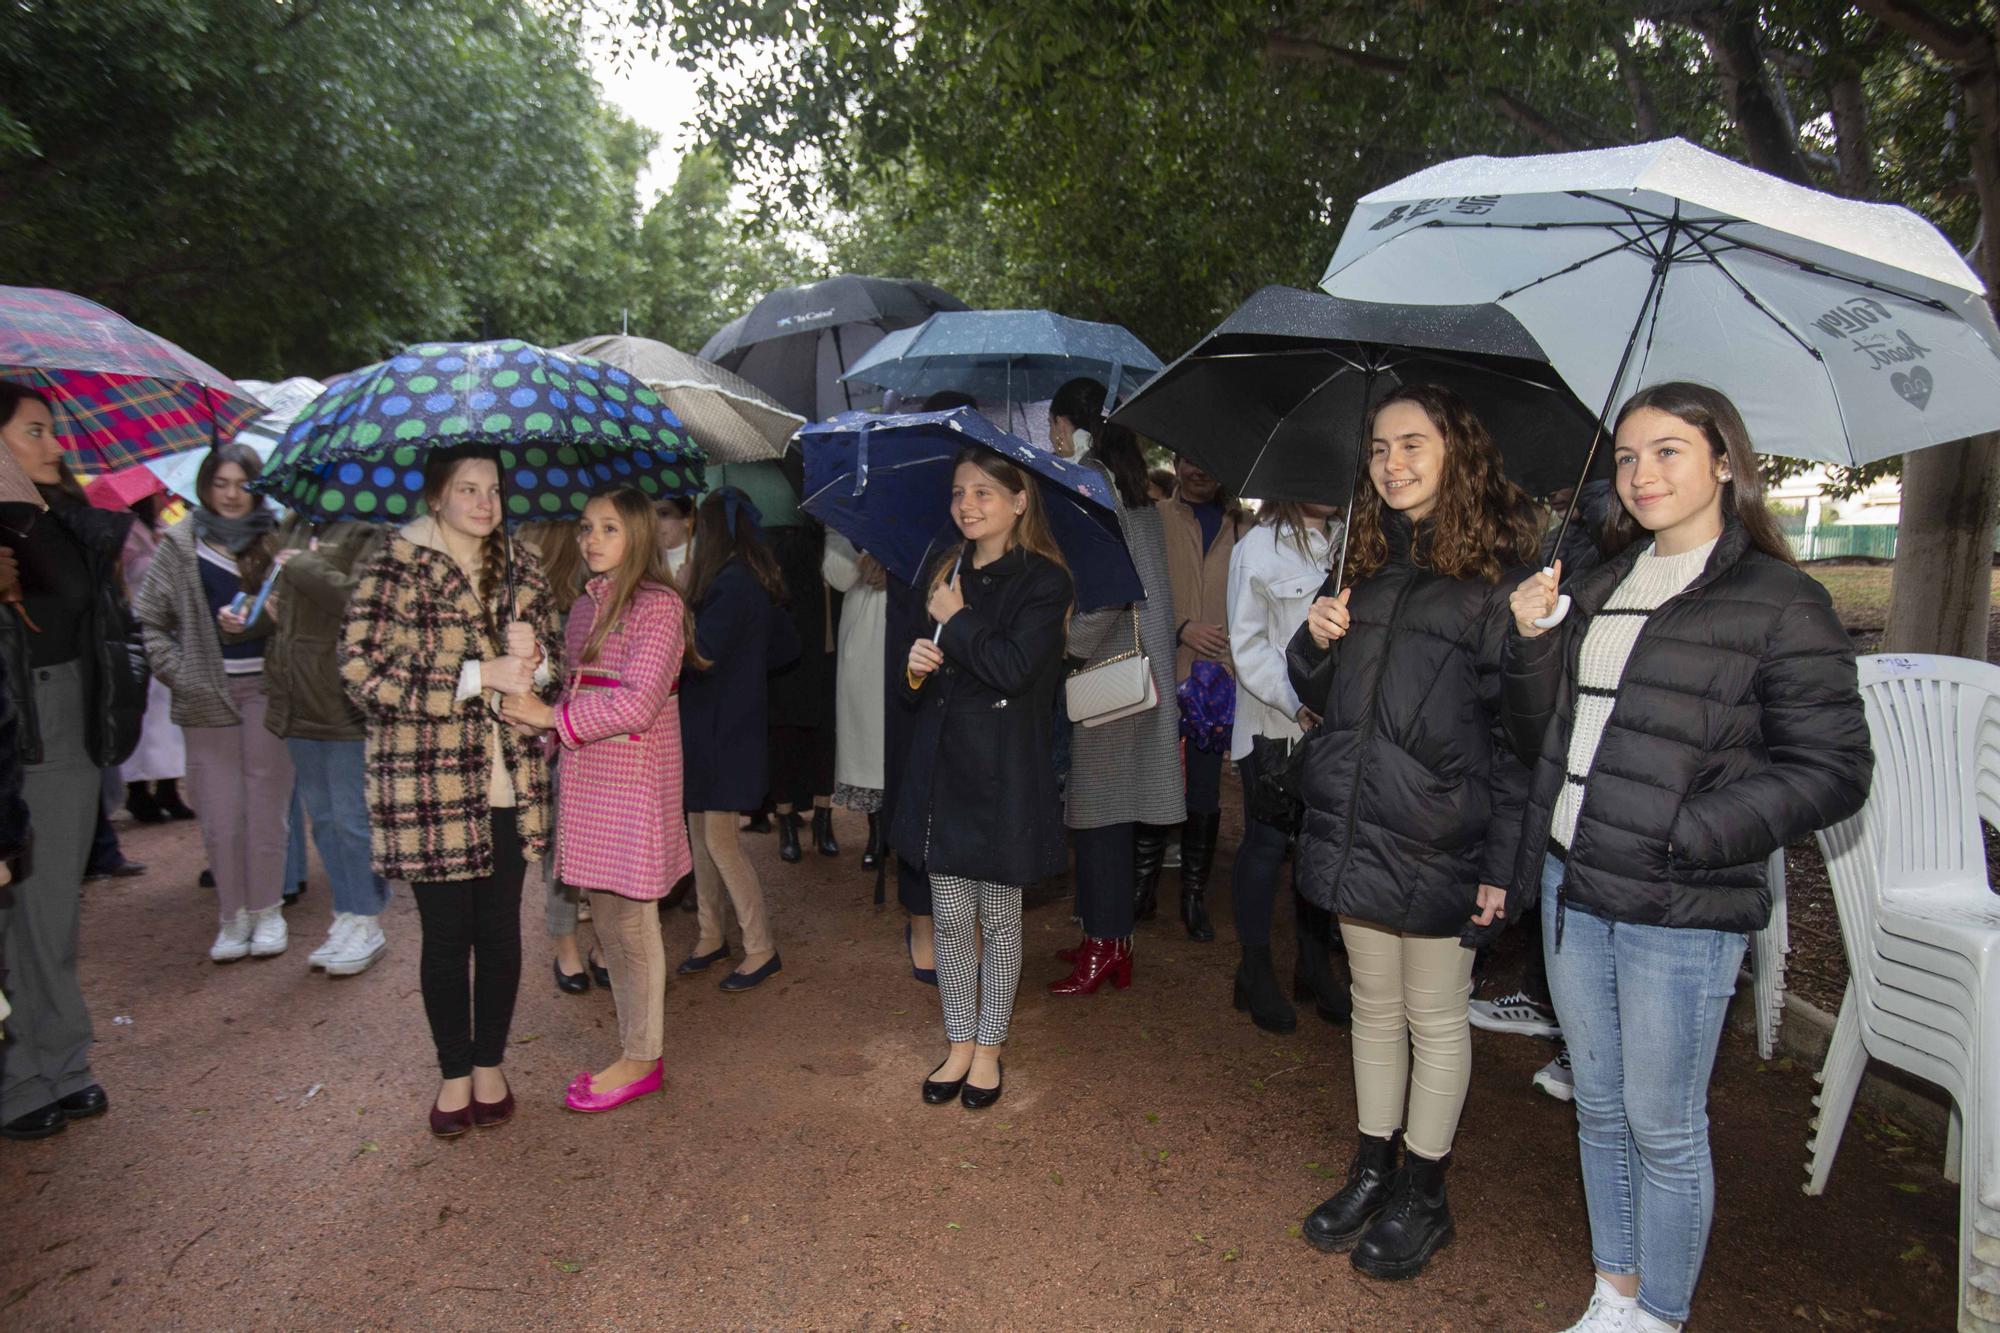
<point x="1197" y="858"/>
<point x="139" y="804"/>
<point x="788" y="836"/>
<point x="1149" y="853"/>
<point x="1258" y="993"/>
<point x="823" y="832"/>
<point x="1336" y="1224"/>
<point x="167" y="791"/>
<point x="871" y="856"/>
<point x="1315" y="978"/>
<point x="1414" y="1225"/>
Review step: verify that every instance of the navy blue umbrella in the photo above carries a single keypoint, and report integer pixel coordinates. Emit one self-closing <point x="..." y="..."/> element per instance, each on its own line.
<point x="884" y="483"/>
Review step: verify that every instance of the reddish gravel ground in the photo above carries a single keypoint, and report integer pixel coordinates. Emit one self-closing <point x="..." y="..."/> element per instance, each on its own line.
<point x="266" y="1165"/>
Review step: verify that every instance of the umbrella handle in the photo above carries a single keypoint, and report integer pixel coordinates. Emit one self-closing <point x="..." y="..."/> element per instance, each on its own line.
<point x="1555" y="617"/>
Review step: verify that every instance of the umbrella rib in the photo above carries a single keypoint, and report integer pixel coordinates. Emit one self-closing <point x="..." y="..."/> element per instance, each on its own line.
<point x="1265" y="447"/>
<point x="1630" y="244"/>
<point x="1701" y="243"/>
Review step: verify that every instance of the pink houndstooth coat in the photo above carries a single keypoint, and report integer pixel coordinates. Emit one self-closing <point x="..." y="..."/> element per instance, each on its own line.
<point x="619" y="820"/>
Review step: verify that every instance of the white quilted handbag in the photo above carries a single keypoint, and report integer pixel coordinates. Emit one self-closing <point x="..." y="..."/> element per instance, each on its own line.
<point x="1116" y="687"/>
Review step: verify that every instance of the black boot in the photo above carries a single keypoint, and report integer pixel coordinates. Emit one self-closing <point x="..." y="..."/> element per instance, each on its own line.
<point x="167" y="791"/>
<point x="1197" y="858"/>
<point x="1315" y="978"/>
<point x="1149" y="853"/>
<point x="1336" y="1224"/>
<point x="139" y="804"/>
<point x="1415" y="1225"/>
<point x="871" y="856"/>
<point x="823" y="832"/>
<point x="1258" y="993"/>
<point x="788" y="836"/>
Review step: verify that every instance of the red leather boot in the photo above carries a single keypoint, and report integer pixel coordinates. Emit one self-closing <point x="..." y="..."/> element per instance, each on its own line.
<point x="1096" y="961"/>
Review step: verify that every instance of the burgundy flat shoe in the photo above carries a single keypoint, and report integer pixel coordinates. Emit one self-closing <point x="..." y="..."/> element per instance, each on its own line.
<point x="488" y="1114"/>
<point x="450" y="1124"/>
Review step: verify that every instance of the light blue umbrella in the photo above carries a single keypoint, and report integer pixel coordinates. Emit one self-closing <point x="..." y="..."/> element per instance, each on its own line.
<point x="1018" y="356"/>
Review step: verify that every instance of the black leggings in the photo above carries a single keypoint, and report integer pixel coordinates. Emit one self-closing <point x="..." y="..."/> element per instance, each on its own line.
<point x="1260" y="859"/>
<point x="463" y="920"/>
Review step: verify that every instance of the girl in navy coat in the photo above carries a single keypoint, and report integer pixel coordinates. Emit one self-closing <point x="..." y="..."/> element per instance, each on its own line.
<point x="978" y="804"/>
<point x="737" y="592"/>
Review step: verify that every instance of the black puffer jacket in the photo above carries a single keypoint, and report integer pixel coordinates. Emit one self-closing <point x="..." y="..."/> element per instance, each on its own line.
<point x="1738" y="728"/>
<point x="1413" y="797"/>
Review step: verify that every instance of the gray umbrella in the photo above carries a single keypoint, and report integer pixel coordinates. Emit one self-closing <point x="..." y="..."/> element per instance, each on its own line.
<point x="732" y="419"/>
<point x="1013" y="355"/>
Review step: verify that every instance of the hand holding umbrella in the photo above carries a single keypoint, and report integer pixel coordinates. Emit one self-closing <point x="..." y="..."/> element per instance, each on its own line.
<point x="1537" y="606"/>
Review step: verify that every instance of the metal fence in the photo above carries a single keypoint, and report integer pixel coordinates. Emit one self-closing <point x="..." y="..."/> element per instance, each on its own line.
<point x="1829" y="540"/>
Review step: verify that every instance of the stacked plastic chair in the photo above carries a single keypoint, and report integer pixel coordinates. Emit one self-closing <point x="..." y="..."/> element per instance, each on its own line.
<point x="1922" y="933"/>
<point x="1768" y="948"/>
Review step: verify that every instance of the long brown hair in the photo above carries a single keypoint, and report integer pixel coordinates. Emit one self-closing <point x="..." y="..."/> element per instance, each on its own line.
<point x="1284" y="514"/>
<point x="1483" y="523"/>
<point x="643" y="564"/>
<point x="1710" y="412"/>
<point x="715" y="546"/>
<point x="555" y="543"/>
<point x="253" y="562"/>
<point x="491" y="587"/>
<point x="1031" y="530"/>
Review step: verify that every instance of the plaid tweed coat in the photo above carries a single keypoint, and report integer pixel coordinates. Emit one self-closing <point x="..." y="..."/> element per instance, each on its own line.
<point x="411" y="624"/>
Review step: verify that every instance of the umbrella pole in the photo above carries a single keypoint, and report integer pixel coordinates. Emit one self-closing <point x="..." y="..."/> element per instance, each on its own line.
<point x="507" y="561"/>
<point x="1332" y="586"/>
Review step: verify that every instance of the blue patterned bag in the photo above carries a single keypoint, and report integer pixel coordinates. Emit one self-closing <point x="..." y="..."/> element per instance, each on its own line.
<point x="1208" y="706"/>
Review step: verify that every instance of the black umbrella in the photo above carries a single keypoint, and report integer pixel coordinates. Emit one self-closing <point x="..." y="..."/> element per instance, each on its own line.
<point x="797" y="342"/>
<point x="1273" y="401"/>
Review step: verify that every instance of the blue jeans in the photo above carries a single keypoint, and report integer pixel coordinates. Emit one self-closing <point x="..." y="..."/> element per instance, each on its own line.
<point x="295" y="845"/>
<point x="330" y="787"/>
<point x="1642" y="1010"/>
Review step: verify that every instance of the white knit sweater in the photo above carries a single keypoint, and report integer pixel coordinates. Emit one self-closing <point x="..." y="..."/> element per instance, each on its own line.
<point x="1601" y="665"/>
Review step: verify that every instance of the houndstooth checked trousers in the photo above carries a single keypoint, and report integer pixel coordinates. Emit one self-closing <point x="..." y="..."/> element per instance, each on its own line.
<point x="968" y="984"/>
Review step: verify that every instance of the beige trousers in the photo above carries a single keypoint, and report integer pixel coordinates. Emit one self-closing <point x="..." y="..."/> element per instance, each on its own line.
<point x="1410" y="991"/>
<point x="724" y="877"/>
<point x="628" y="931"/>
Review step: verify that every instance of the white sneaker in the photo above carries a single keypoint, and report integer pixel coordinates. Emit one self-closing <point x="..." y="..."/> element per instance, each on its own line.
<point x="341" y="923"/>
<point x="268" y="936"/>
<point x="1608" y="1312"/>
<point x="1514" y="1013"/>
<point x="1644" y="1322"/>
<point x="1555" y="1077"/>
<point x="359" y="947"/>
<point x="233" y="940"/>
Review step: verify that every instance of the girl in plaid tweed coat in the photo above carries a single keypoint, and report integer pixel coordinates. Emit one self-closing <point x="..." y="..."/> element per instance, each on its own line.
<point x="621" y="833"/>
<point x="457" y="799"/>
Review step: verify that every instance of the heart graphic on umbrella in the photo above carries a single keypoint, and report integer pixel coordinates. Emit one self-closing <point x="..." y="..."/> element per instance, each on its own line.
<point x="1914" y="387"/>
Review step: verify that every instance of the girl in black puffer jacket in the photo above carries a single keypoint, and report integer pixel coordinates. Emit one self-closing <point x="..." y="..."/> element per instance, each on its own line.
<point x="1413" y="798"/>
<point x="1695" y="712"/>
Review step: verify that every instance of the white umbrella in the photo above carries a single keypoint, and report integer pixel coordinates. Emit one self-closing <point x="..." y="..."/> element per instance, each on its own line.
<point x="732" y="419"/>
<point x="1845" y="332"/>
<point x="285" y="399"/>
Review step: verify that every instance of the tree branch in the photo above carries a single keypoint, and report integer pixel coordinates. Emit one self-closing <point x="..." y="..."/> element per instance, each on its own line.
<point x="1645" y="111"/>
<point x="1957" y="44"/>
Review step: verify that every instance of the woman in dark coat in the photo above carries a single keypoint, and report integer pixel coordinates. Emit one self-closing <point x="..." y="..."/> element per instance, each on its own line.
<point x="79" y="685"/>
<point x="978" y="805"/>
<point x="741" y="630"/>
<point x="1695" y="711"/>
<point x="1413" y="798"/>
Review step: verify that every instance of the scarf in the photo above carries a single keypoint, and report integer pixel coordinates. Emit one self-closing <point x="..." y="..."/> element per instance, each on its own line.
<point x="233" y="535"/>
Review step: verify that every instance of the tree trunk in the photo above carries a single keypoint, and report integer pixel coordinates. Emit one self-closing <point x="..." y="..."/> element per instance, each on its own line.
<point x="1940" y="599"/>
<point x="1769" y="138"/>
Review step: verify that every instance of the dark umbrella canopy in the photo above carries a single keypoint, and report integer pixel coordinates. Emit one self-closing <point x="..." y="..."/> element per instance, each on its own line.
<point x="797" y="342"/>
<point x="1273" y="401"/>
<point x="884" y="483"/>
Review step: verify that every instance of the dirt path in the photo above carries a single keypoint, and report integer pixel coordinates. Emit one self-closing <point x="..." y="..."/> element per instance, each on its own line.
<point x="1147" y="1167"/>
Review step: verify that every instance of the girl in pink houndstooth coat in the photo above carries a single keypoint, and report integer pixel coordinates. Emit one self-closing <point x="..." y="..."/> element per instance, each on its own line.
<point x="620" y="830"/>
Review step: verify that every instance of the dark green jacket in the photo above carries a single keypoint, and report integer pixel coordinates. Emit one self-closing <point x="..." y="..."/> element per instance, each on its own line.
<point x="305" y="699"/>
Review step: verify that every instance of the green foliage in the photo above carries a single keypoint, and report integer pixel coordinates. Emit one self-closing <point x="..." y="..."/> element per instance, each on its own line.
<point x="301" y="185"/>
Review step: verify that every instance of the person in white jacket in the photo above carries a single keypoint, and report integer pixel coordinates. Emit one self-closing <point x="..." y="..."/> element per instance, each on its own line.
<point x="858" y="686"/>
<point x="1274" y="574"/>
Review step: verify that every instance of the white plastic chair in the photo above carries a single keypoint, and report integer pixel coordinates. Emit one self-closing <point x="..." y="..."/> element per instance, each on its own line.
<point x="1768" y="948"/>
<point x="1922" y="933"/>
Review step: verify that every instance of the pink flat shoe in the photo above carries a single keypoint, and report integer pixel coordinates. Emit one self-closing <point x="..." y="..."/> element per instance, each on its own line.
<point x="581" y="1098"/>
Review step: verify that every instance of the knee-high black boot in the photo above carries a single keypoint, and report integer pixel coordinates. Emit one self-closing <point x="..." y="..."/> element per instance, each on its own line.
<point x="1149" y="853"/>
<point x="1315" y="977"/>
<point x="1197" y="859"/>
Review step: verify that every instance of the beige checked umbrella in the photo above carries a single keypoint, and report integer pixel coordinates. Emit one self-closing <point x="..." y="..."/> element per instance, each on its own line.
<point x="732" y="419"/>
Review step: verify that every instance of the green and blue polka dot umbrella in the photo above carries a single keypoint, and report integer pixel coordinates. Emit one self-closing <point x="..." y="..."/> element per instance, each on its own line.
<point x="563" y="426"/>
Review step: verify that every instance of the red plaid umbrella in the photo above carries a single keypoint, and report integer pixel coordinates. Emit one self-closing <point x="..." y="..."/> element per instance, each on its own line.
<point x="122" y="395"/>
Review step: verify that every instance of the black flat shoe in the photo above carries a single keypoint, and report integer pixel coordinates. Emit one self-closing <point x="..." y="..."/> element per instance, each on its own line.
<point x="36" y="1124"/>
<point x="119" y="869"/>
<point x="569" y="983"/>
<point x="295" y="894"/>
<point x="742" y="981"/>
<point x="978" y="1099"/>
<point x="207" y="880"/>
<point x="682" y="890"/>
<point x="937" y="1092"/>
<point x="85" y="1104"/>
<point x="599" y="972"/>
<point x="701" y="962"/>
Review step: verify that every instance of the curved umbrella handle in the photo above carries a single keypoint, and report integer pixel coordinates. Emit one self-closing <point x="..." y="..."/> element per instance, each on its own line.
<point x="1555" y="617"/>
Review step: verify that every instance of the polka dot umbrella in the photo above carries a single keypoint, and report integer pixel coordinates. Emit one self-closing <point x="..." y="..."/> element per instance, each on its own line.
<point x="563" y="426"/>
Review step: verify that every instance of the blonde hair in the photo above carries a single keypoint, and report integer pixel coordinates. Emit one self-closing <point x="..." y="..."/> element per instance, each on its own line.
<point x="1031" y="530"/>
<point x="643" y="563"/>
